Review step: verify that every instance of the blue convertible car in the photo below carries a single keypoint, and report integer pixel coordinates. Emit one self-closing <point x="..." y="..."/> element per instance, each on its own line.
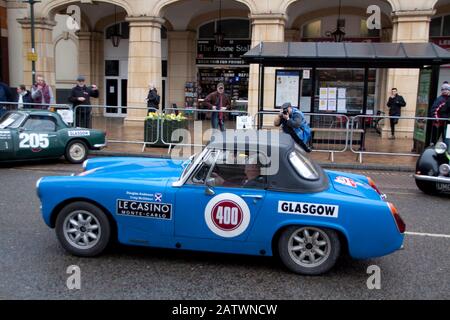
<point x="228" y="199"/>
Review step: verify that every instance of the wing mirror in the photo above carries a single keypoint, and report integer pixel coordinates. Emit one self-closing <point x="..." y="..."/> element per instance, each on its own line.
<point x="210" y="184"/>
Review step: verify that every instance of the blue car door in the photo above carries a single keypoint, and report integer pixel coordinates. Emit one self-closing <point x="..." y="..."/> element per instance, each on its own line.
<point x="226" y="210"/>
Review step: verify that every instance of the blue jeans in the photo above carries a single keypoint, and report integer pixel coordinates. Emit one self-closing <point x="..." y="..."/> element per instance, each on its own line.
<point x="216" y="122"/>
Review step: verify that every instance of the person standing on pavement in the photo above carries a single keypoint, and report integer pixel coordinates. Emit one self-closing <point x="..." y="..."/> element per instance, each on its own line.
<point x="153" y="99"/>
<point x="395" y="105"/>
<point x="81" y="96"/>
<point x="439" y="110"/>
<point x="5" y="96"/>
<point x="42" y="94"/>
<point x="219" y="101"/>
<point x="23" y="98"/>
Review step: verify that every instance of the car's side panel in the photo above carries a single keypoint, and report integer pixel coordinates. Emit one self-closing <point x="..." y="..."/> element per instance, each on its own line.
<point x="7" y="137"/>
<point x="367" y="225"/>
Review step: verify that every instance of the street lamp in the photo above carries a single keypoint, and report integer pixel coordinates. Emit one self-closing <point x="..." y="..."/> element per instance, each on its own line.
<point x="33" y="40"/>
<point x="116" y="36"/>
<point x="338" y="34"/>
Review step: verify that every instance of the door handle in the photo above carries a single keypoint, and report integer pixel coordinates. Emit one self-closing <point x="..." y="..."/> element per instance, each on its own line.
<point x="252" y="196"/>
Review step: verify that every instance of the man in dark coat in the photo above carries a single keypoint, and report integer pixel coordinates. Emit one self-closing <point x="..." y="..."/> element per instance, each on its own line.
<point x="218" y="100"/>
<point x="5" y="96"/>
<point x="395" y="105"/>
<point x="23" y="98"/>
<point x="153" y="99"/>
<point x="81" y="95"/>
<point x="440" y="110"/>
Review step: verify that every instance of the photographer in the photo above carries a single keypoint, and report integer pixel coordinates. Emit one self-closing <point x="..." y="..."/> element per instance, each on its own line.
<point x="293" y="123"/>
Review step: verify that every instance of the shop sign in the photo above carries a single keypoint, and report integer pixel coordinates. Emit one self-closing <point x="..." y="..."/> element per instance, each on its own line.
<point x="228" y="54"/>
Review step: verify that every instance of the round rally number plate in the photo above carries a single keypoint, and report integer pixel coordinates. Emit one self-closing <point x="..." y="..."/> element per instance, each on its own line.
<point x="227" y="215"/>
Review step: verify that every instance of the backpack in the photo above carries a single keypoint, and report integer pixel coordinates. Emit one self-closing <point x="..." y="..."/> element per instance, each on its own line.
<point x="304" y="132"/>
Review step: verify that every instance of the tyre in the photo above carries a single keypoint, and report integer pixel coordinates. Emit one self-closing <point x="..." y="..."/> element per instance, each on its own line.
<point x="83" y="229"/>
<point x="309" y="250"/>
<point x="76" y="151"/>
<point x="427" y="187"/>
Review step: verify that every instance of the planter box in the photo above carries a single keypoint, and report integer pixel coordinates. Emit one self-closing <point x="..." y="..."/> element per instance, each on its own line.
<point x="151" y="129"/>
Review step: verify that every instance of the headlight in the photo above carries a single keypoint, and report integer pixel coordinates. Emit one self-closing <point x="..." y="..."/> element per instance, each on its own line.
<point x="444" y="169"/>
<point x="440" y="148"/>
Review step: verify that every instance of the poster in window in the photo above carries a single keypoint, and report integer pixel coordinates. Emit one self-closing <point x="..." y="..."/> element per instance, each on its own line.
<point x="342" y="93"/>
<point x="332" y="105"/>
<point x="287" y="85"/>
<point x="323" y="92"/>
<point x="332" y="92"/>
<point x="342" y="105"/>
<point x="323" y="105"/>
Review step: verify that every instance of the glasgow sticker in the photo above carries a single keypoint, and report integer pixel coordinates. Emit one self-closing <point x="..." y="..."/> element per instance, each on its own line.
<point x="227" y="215"/>
<point x="308" y="209"/>
<point x="79" y="133"/>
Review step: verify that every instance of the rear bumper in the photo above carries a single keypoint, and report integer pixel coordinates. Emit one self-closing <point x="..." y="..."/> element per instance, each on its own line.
<point x="432" y="178"/>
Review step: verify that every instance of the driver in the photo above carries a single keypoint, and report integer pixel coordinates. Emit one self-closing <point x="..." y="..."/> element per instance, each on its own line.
<point x="254" y="179"/>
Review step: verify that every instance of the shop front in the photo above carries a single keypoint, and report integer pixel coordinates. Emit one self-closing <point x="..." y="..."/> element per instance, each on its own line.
<point x="223" y="63"/>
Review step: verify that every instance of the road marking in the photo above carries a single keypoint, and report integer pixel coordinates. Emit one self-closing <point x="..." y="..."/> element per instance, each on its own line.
<point x="428" y="235"/>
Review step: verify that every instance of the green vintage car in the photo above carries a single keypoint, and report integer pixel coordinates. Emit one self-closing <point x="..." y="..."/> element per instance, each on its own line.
<point x="39" y="134"/>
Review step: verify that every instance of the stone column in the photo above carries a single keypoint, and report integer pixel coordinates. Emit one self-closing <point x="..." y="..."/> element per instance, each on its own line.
<point x="267" y="28"/>
<point x="181" y="64"/>
<point x="45" y="64"/>
<point x="144" y="63"/>
<point x="408" y="27"/>
<point x="98" y="62"/>
<point x="85" y="55"/>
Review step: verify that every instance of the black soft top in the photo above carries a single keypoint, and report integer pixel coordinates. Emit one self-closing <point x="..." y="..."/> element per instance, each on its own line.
<point x="277" y="146"/>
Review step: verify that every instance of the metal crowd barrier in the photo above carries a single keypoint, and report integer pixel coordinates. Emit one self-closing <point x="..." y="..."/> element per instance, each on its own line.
<point x="96" y="117"/>
<point x="376" y="125"/>
<point x="193" y="116"/>
<point x="330" y="132"/>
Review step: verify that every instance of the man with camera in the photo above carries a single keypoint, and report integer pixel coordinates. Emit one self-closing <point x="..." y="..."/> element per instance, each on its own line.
<point x="292" y="122"/>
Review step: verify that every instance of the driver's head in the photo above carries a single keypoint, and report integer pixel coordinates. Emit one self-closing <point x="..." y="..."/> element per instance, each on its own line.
<point x="252" y="171"/>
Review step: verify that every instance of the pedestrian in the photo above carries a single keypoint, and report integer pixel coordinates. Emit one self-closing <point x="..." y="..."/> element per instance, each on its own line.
<point x="23" y="98"/>
<point x="153" y="99"/>
<point x="395" y="105"/>
<point x="81" y="100"/>
<point x="293" y="122"/>
<point x="5" y="96"/>
<point x="439" y="110"/>
<point x="218" y="101"/>
<point x="42" y="94"/>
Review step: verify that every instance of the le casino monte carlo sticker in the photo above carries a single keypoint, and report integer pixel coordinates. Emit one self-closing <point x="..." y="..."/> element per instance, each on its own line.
<point x="227" y="215"/>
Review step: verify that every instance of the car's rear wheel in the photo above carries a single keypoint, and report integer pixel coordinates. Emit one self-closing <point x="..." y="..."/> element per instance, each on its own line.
<point x="309" y="250"/>
<point x="76" y="151"/>
<point x="427" y="187"/>
<point x="83" y="229"/>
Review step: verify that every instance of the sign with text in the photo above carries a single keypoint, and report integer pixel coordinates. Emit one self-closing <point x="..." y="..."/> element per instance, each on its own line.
<point x="208" y="52"/>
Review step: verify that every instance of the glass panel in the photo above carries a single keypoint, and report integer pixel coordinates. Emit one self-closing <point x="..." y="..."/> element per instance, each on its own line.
<point x="40" y="123"/>
<point x="312" y="30"/>
<point x="206" y="31"/>
<point x="435" y="27"/>
<point x="365" y="32"/>
<point x="236" y="28"/>
<point x="352" y="80"/>
<point x="446" y="30"/>
<point x="11" y="120"/>
<point x="112" y="68"/>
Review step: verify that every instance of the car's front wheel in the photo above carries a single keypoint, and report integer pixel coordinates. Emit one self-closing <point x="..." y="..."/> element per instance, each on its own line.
<point x="309" y="250"/>
<point x="76" y="151"/>
<point x="83" y="229"/>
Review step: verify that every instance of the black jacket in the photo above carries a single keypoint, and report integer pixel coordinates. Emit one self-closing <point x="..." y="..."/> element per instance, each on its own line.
<point x="86" y="92"/>
<point x="153" y="99"/>
<point x="395" y="105"/>
<point x="26" y="99"/>
<point x="5" y="93"/>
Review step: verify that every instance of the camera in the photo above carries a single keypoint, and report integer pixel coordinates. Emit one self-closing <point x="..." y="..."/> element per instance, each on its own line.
<point x="285" y="112"/>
